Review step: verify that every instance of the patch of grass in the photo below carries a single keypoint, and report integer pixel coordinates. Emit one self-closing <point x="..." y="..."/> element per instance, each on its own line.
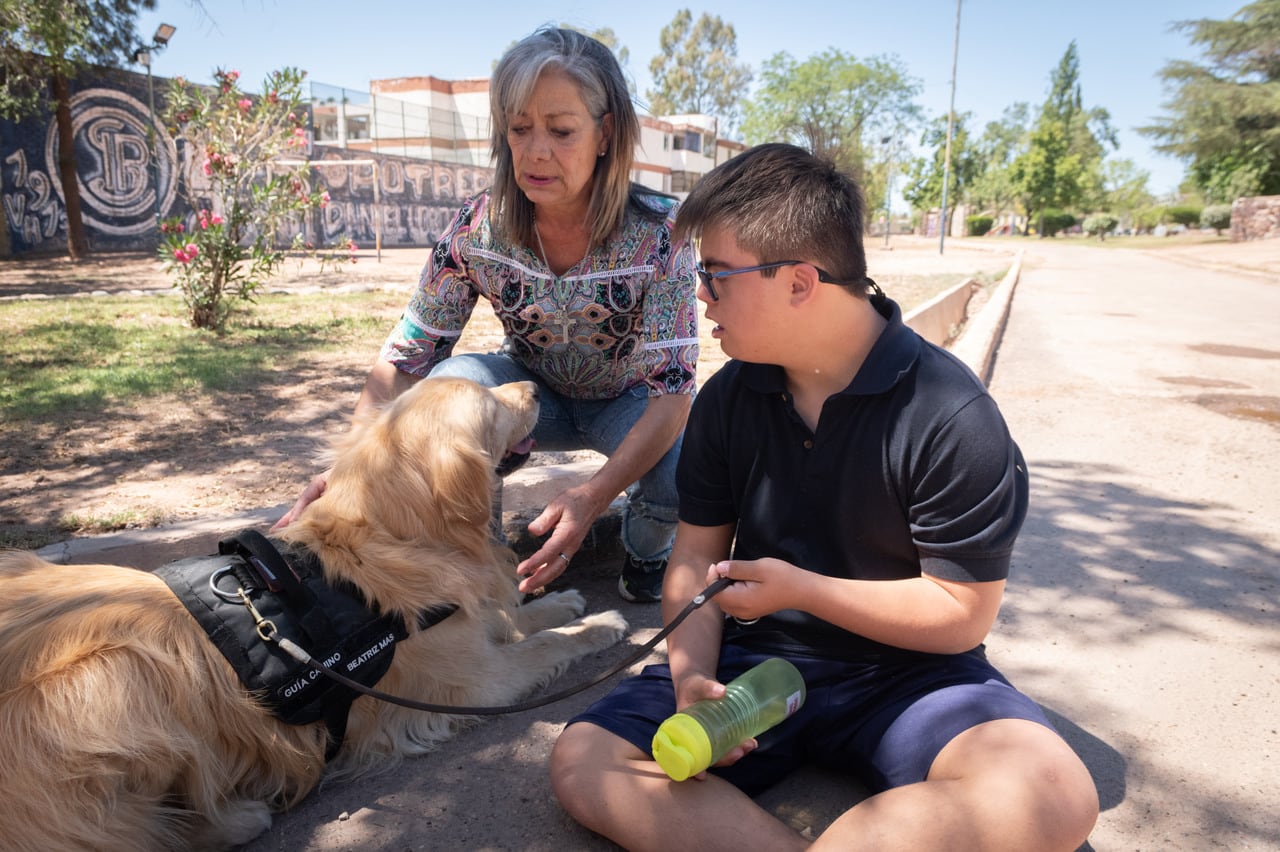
<point x="29" y="538"/>
<point x="1144" y="242"/>
<point x="83" y="354"/>
<point x="911" y="291"/>
<point x="122" y="520"/>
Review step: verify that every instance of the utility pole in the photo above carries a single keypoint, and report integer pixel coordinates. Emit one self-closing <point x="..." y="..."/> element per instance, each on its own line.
<point x="951" y="119"/>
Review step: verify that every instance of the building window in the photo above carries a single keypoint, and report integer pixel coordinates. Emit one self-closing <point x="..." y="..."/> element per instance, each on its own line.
<point x="683" y="181"/>
<point x="689" y="140"/>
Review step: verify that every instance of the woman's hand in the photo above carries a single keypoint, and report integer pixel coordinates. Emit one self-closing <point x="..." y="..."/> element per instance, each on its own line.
<point x="314" y="489"/>
<point x="568" y="518"/>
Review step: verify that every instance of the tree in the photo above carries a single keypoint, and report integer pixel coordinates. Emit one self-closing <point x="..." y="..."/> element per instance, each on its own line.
<point x="993" y="188"/>
<point x="44" y="44"/>
<point x="924" y="181"/>
<point x="254" y="190"/>
<point x="835" y="105"/>
<point x="696" y="70"/>
<point x="1062" y="164"/>
<point x="1224" y="116"/>
<point x="1124" y="189"/>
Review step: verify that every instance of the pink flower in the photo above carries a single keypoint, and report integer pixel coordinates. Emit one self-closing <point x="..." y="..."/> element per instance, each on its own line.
<point x="244" y="104"/>
<point x="215" y="219"/>
<point x="179" y="227"/>
<point x="207" y="167"/>
<point x="192" y="250"/>
<point x="180" y="255"/>
<point x="324" y="200"/>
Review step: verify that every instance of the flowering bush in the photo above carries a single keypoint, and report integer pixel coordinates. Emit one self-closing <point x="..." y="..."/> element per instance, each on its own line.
<point x="250" y="193"/>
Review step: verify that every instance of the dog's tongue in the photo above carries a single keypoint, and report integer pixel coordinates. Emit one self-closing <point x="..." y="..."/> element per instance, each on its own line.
<point x="525" y="446"/>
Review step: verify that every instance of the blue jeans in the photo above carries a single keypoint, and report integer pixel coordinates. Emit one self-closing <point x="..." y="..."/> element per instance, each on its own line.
<point x="564" y="423"/>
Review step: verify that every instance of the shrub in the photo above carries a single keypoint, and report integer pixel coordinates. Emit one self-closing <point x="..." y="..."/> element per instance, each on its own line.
<point x="976" y="226"/>
<point x="254" y="191"/>
<point x="1146" y="219"/>
<point x="1055" y="221"/>
<point x="1100" y="224"/>
<point x="1185" y="215"/>
<point x="1216" y="216"/>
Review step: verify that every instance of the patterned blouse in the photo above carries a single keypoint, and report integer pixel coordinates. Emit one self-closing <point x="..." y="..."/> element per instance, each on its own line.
<point x="623" y="315"/>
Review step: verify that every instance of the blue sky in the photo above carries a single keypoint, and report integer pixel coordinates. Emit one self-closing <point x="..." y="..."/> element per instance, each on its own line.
<point x="1007" y="49"/>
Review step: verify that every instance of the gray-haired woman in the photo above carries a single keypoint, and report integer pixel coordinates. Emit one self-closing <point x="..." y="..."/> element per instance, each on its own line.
<point x="596" y="300"/>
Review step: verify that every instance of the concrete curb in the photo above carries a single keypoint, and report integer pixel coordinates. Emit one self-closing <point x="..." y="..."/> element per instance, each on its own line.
<point x="525" y="492"/>
<point x="977" y="344"/>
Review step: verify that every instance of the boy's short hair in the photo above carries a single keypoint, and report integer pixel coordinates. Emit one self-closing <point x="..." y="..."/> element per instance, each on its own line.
<point x="782" y="203"/>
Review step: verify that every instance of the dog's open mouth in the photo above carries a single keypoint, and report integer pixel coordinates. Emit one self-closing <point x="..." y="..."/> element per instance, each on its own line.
<point x="516" y="456"/>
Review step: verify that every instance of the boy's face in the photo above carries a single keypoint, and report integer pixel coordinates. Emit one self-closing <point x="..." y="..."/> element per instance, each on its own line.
<point x="747" y="307"/>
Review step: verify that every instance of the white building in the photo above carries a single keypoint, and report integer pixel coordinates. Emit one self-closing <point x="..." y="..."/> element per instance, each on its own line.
<point x="448" y="121"/>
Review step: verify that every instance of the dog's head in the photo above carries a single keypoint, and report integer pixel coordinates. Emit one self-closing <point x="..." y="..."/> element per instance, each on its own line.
<point x="423" y="468"/>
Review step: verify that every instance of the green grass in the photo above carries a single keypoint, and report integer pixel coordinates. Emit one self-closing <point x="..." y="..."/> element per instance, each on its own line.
<point x="84" y="354"/>
<point x="1144" y="242"/>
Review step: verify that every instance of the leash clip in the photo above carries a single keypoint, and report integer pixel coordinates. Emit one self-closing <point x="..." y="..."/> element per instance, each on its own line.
<point x="266" y="628"/>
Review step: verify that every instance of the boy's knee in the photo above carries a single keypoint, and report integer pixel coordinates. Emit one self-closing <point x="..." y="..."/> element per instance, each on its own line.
<point x="570" y="766"/>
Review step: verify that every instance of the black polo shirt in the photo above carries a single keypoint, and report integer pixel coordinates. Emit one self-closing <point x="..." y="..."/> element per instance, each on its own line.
<point x="911" y="470"/>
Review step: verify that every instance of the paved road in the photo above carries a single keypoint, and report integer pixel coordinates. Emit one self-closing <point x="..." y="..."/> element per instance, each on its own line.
<point x="1142" y="611"/>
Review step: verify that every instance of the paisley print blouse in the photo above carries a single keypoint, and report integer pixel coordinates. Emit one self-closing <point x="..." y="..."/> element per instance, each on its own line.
<point x="623" y="315"/>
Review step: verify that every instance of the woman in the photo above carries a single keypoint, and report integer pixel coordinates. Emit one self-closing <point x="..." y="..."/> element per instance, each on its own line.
<point x="596" y="301"/>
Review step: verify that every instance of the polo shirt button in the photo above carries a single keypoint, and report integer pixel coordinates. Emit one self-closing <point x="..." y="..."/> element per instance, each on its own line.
<point x="808" y="445"/>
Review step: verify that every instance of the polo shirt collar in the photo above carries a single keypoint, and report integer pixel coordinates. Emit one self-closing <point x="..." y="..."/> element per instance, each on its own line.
<point x="891" y="357"/>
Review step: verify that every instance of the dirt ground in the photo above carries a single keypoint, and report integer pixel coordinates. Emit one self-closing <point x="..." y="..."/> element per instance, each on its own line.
<point x="160" y="460"/>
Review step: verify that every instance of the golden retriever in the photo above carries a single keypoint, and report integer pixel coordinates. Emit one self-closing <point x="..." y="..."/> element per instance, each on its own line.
<point x="123" y="727"/>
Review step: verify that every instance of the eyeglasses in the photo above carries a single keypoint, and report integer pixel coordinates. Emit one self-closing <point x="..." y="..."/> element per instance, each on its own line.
<point x="825" y="277"/>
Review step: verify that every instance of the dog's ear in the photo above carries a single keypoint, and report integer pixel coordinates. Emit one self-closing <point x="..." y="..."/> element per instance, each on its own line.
<point x="434" y="464"/>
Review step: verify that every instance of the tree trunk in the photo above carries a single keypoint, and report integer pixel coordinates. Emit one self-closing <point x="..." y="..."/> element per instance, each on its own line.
<point x="77" y="242"/>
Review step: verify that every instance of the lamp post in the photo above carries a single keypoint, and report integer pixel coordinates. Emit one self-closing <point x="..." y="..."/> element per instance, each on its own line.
<point x="142" y="56"/>
<point x="888" y="186"/>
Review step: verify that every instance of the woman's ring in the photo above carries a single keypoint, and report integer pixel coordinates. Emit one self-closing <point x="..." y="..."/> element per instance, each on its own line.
<point x="565" y="558"/>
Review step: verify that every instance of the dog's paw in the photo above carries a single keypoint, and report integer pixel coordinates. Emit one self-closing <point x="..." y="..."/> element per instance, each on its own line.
<point x="571" y="600"/>
<point x="609" y="627"/>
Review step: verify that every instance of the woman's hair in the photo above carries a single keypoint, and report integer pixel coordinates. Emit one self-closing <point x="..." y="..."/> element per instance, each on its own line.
<point x="782" y="203"/>
<point x="604" y="91"/>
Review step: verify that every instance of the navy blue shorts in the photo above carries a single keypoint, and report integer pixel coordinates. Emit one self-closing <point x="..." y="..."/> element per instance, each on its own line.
<point x="883" y="722"/>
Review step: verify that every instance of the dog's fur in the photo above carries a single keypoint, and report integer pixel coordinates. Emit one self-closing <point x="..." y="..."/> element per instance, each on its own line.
<point x="122" y="726"/>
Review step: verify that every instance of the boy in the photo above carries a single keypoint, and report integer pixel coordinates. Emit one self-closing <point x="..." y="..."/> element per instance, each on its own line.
<point x="861" y="489"/>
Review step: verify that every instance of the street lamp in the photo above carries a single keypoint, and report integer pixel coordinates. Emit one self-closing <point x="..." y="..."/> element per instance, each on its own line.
<point x="142" y="56"/>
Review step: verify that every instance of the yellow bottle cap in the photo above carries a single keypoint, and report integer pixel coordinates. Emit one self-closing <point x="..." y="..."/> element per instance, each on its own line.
<point x="681" y="747"/>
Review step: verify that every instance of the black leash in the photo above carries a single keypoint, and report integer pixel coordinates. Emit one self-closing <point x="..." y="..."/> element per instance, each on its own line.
<point x="267" y="631"/>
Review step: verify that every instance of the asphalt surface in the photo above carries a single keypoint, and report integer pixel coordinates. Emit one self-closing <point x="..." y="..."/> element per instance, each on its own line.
<point x="1141" y="611"/>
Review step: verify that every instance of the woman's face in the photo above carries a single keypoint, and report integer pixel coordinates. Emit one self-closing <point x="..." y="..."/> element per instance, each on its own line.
<point x="555" y="143"/>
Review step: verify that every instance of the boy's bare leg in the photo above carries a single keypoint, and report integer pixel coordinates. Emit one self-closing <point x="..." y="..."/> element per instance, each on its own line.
<point x="614" y="789"/>
<point x="1004" y="785"/>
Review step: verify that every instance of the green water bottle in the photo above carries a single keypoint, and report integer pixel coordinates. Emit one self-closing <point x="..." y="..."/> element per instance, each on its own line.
<point x="698" y="736"/>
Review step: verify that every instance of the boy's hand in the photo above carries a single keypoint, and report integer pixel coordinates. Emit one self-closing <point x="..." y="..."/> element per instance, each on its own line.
<point x="697" y="688"/>
<point x="760" y="586"/>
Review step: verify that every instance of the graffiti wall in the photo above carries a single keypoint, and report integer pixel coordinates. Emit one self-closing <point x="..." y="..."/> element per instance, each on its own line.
<point x="132" y="172"/>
